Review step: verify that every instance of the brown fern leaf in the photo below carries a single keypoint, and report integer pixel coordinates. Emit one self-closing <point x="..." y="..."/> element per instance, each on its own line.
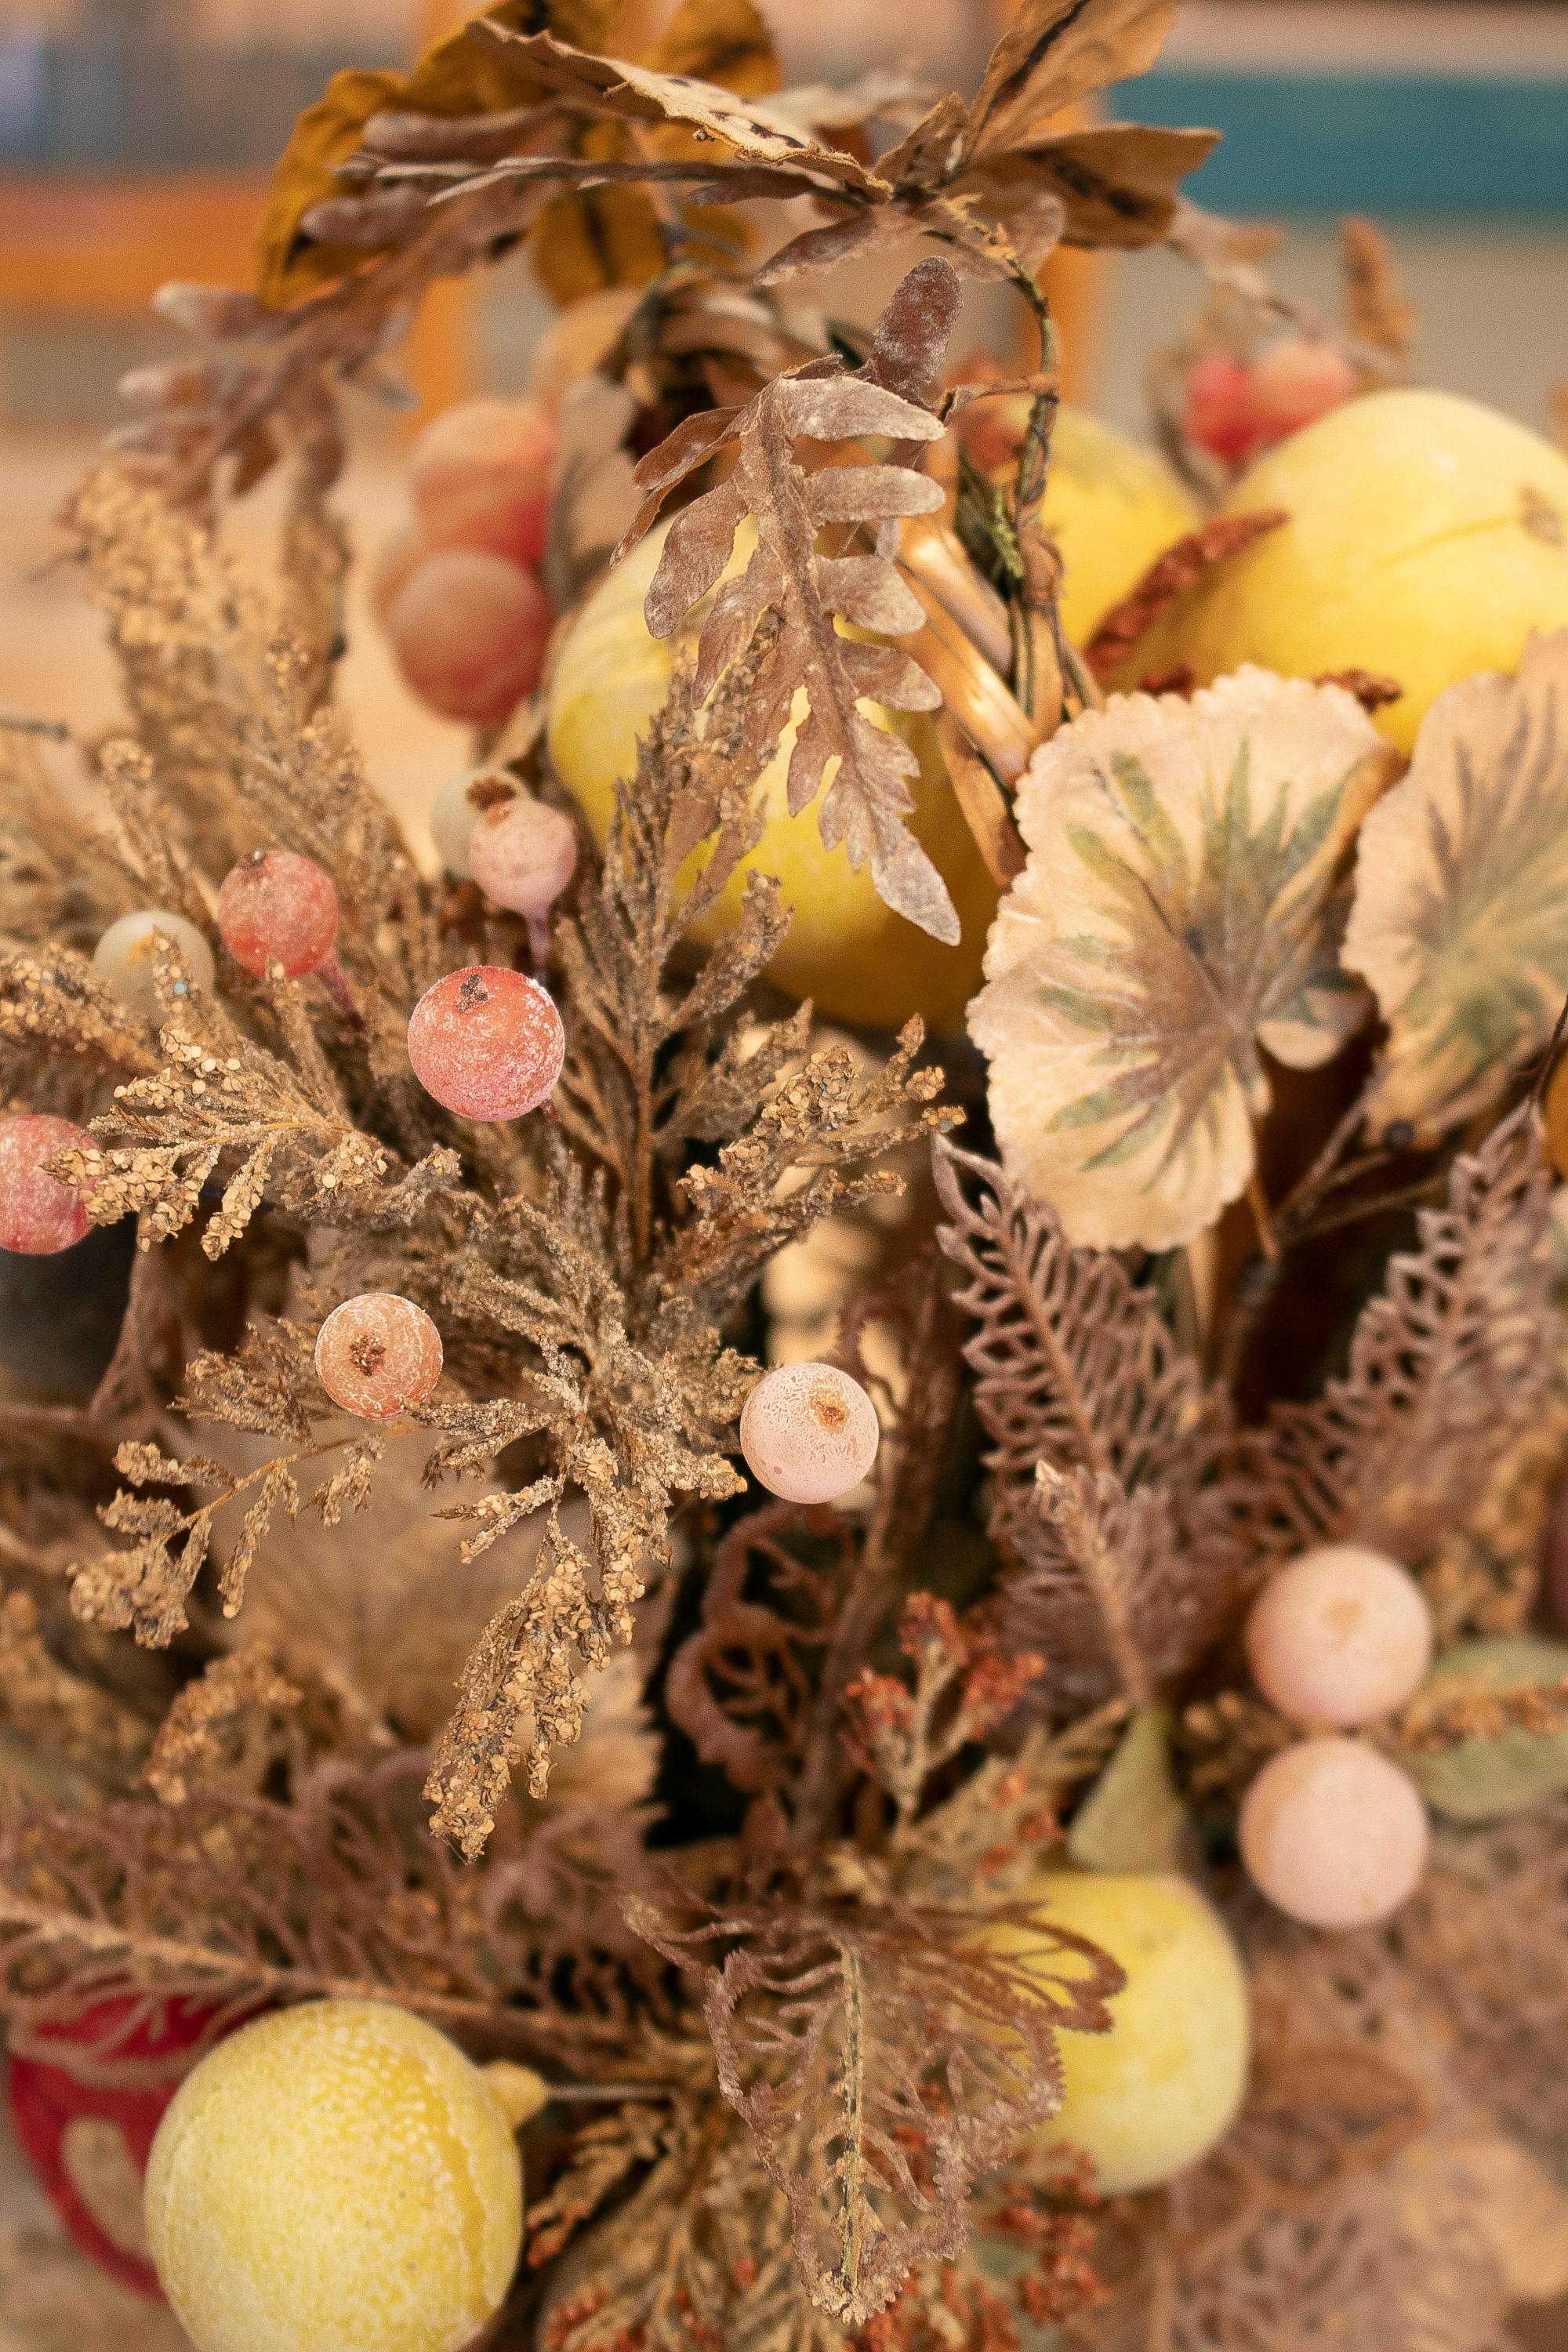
<point x="1447" y="1368"/>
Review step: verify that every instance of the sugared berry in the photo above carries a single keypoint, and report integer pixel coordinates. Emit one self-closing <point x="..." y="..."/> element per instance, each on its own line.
<point x="277" y="907"/>
<point x="1217" y="412"/>
<point x="486" y="1043"/>
<point x="453" y="816"/>
<point x="1294" y="382"/>
<point x="124" y="956"/>
<point x="480" y="477"/>
<point x="398" y="556"/>
<point x="470" y="632"/>
<point x="522" y="852"/>
<point x="1333" y="1833"/>
<point x="378" y="1354"/>
<point x="39" y="1215"/>
<point x="1340" y="1636"/>
<point x="809" y="1433"/>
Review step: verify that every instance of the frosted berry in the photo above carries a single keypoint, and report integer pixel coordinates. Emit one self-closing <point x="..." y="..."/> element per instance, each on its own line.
<point x="275" y="907"/>
<point x="398" y="556"/>
<point x="1333" y="1833"/>
<point x="378" y="1354"/>
<point x="1217" y="412"/>
<point x="481" y="477"/>
<point x="470" y="632"/>
<point x="809" y="1433"/>
<point x="486" y="1043"/>
<point x="124" y="956"/>
<point x="453" y="816"/>
<point x="1296" y="380"/>
<point x="334" y="2177"/>
<point x="522" y="852"/>
<point x="1340" y="1636"/>
<point x="39" y="1215"/>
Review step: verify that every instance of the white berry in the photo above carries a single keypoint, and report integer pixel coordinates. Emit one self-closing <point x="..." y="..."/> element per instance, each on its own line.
<point x="809" y="1433"/>
<point x="1340" y="1636"/>
<point x="124" y="956"/>
<point x="1333" y="1833"/>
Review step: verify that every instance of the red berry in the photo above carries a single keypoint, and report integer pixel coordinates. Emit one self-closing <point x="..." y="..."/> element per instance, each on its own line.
<point x="486" y="1043"/>
<point x="378" y="1354"/>
<point x="39" y="1215"/>
<point x="1295" y="381"/>
<point x="1219" y="414"/>
<point x="470" y="632"/>
<point x="481" y="477"/>
<point x="275" y="907"/>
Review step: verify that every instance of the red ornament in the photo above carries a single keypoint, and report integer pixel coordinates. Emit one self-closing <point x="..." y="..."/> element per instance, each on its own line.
<point x="85" y="2122"/>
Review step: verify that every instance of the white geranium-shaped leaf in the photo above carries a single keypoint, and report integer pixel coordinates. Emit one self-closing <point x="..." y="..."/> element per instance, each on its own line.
<point x="1460" y="921"/>
<point x="1178" y="910"/>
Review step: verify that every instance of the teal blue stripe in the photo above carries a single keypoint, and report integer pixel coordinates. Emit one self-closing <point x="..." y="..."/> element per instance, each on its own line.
<point x="1324" y="143"/>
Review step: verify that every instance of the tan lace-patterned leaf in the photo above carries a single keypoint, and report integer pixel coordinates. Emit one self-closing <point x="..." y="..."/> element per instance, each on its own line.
<point x="1054" y="53"/>
<point x="1460" y="921"/>
<point x="1173" y="916"/>
<point x="882" y="2065"/>
<point x="1446" y="1367"/>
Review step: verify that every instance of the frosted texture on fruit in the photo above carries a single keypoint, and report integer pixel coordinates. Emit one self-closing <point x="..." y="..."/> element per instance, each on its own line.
<point x="38" y="1215"/>
<point x="124" y="956"/>
<point x="1342" y="1636"/>
<point x="522" y="853"/>
<point x="809" y="1433"/>
<point x="486" y="1043"/>
<point x="453" y="817"/>
<point x="335" y="2177"/>
<point x="1333" y="1833"/>
<point x="277" y="907"/>
<point x="481" y="477"/>
<point x="1157" y="2092"/>
<point x="470" y="633"/>
<point x="377" y="1354"/>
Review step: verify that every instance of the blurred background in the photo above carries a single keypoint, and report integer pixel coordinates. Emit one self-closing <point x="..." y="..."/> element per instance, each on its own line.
<point x="135" y="136"/>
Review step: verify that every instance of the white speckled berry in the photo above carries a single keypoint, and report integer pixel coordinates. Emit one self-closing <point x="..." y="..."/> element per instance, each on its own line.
<point x="1333" y="1833"/>
<point x="1340" y="1636"/>
<point x="809" y="1433"/>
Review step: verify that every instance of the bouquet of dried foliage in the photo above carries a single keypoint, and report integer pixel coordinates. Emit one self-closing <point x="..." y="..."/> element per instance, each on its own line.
<point x="1227" y="1232"/>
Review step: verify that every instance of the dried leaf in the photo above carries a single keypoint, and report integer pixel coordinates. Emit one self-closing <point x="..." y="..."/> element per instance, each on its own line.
<point x="1501" y="1710"/>
<point x="1460" y="879"/>
<point x="1175" y="916"/>
<point x="1054" y="53"/>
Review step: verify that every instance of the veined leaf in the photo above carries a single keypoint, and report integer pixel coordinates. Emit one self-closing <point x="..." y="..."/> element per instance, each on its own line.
<point x="1176" y="912"/>
<point x="1460" y="921"/>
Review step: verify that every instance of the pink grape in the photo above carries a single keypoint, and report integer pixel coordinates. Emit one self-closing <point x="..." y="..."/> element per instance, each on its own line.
<point x="280" y="908"/>
<point x="809" y="1433"/>
<point x="470" y="632"/>
<point x="1333" y="1833"/>
<point x="39" y="1215"/>
<point x="377" y="1354"/>
<point x="481" y="477"/>
<point x="1295" y="382"/>
<point x="522" y="852"/>
<point x="1340" y="1637"/>
<point x="486" y="1043"/>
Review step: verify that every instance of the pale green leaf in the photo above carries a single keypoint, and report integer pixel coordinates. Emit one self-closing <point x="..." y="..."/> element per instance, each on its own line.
<point x="1460" y="921"/>
<point x="1177" y="911"/>
<point x="1482" y="1779"/>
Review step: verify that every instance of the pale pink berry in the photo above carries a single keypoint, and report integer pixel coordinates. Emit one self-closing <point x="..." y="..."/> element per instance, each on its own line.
<point x="522" y="852"/>
<point x="486" y="1043"/>
<point x="480" y="477"/>
<point x="378" y="1354"/>
<point x="809" y="1433"/>
<point x="1340" y="1636"/>
<point x="397" y="557"/>
<point x="277" y="907"/>
<point x="470" y="632"/>
<point x="39" y="1215"/>
<point x="1296" y="380"/>
<point x="1333" y="1833"/>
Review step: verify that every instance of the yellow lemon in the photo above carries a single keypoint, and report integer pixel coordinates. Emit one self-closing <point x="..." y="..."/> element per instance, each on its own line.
<point x="335" y="2177"/>
<point x="1166" y="2084"/>
<point x="1428" y="537"/>
<point x="1112" y="505"/>
<point x="858" y="960"/>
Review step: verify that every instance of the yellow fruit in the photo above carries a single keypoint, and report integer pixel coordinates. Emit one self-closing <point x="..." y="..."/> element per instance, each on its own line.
<point x="1428" y="536"/>
<point x="844" y="948"/>
<point x="1154" y="2093"/>
<point x="335" y="2177"/>
<point x="1112" y="505"/>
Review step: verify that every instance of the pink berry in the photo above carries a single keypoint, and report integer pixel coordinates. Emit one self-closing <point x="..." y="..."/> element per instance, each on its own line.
<point x="486" y="1043"/>
<point x="39" y="1215"/>
<point x="481" y="477"/>
<point x="378" y="1354"/>
<point x="399" y="555"/>
<point x="1295" y="382"/>
<point x="275" y="907"/>
<point x="1333" y="1833"/>
<point x="522" y="852"/>
<point x="1218" y="412"/>
<point x="1340" y="1636"/>
<point x="470" y="632"/>
<point x="809" y="1433"/>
